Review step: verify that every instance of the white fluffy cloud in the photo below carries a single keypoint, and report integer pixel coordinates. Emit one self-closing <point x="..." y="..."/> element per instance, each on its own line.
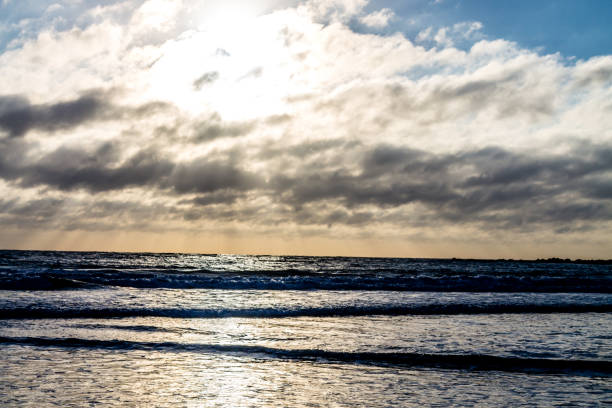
<point x="378" y="19"/>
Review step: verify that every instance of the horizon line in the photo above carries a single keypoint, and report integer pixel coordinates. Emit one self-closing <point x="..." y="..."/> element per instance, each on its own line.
<point x="554" y="259"/>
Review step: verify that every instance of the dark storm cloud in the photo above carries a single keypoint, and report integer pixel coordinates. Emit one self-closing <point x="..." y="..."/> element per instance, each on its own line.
<point x="497" y="166"/>
<point x="201" y="176"/>
<point x="388" y="176"/>
<point x="597" y="188"/>
<point x="69" y="169"/>
<point x="18" y="116"/>
<point x="12" y="154"/>
<point x="102" y="169"/>
<point x="489" y="185"/>
<point x="352" y="191"/>
<point x="387" y="159"/>
<point x="332" y="182"/>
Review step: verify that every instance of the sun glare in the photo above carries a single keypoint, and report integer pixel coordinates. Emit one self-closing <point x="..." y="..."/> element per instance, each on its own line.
<point x="228" y="16"/>
<point x="231" y="65"/>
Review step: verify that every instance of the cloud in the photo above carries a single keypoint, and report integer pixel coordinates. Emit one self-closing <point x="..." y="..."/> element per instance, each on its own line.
<point x="18" y="116"/>
<point x="205" y="176"/>
<point x="301" y="123"/>
<point x="206" y="78"/>
<point x="335" y="10"/>
<point x="37" y="209"/>
<point x="154" y="19"/>
<point x="490" y="185"/>
<point x="218" y="197"/>
<point x="99" y="170"/>
<point x="103" y="169"/>
<point x="447" y="37"/>
<point x="424" y="35"/>
<point x="596" y="71"/>
<point x="214" y="128"/>
<point x="378" y="19"/>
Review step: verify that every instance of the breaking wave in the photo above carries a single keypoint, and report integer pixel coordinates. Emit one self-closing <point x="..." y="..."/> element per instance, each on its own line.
<point x="62" y="280"/>
<point x="279" y="312"/>
<point x="446" y="361"/>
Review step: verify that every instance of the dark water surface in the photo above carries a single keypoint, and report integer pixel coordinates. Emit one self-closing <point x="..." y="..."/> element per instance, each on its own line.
<point x="80" y="329"/>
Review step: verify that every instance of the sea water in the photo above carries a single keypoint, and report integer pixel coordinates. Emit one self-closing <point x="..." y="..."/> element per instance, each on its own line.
<point x="142" y="329"/>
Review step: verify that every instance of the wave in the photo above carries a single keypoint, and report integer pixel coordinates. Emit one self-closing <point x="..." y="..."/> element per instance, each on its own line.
<point x="41" y="270"/>
<point x="136" y="328"/>
<point x="337" y="311"/>
<point x="45" y="283"/>
<point x="300" y="280"/>
<point x="445" y="361"/>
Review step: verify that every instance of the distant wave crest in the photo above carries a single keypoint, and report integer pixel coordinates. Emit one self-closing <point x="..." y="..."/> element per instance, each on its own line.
<point x="388" y="310"/>
<point x="59" y="280"/>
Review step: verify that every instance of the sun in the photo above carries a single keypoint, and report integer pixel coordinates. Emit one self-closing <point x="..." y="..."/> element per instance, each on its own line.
<point x="231" y="64"/>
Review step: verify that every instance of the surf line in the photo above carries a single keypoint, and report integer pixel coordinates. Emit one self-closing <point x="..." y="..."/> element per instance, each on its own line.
<point x="473" y="362"/>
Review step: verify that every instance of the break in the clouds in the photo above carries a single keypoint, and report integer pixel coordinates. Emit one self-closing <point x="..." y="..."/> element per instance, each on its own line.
<point x="324" y="126"/>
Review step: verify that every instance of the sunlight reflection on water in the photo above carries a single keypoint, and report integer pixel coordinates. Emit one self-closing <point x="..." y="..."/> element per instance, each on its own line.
<point x="139" y="335"/>
<point x="138" y="378"/>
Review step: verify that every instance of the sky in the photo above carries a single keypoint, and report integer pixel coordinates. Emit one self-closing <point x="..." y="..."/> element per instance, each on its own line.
<point x="415" y="128"/>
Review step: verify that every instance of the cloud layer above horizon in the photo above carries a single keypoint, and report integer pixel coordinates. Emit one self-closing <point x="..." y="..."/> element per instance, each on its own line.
<point x="307" y="127"/>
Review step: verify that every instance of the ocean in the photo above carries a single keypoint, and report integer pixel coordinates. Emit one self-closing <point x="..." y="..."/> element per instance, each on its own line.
<point x="145" y="329"/>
